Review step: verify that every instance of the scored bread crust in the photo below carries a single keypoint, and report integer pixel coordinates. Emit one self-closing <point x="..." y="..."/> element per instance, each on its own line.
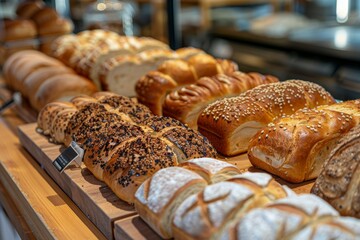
<point x="295" y="147"/>
<point x="230" y="123"/>
<point x="339" y="179"/>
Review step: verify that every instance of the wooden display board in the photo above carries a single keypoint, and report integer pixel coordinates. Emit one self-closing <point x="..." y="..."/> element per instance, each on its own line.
<point x="114" y="218"/>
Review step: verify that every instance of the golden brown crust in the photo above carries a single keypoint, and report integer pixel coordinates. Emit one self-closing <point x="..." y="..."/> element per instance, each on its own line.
<point x="295" y="147"/>
<point x="19" y="29"/>
<point x="27" y="9"/>
<point x="62" y="86"/>
<point x="57" y="26"/>
<point x="152" y="89"/>
<point x="223" y="121"/>
<point x="339" y="180"/>
<point x="186" y="103"/>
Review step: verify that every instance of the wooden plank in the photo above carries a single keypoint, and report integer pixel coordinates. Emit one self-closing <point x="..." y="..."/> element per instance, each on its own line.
<point x="133" y="228"/>
<point x="92" y="196"/>
<point x="16" y="219"/>
<point x="47" y="210"/>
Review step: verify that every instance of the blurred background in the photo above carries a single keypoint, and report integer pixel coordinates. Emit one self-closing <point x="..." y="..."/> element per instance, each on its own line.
<point x="314" y="40"/>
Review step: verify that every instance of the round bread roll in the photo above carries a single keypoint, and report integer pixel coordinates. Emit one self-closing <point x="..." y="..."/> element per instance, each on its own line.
<point x="27" y="9"/>
<point x="11" y="30"/>
<point x="46" y="14"/>
<point x="62" y="87"/>
<point x="34" y="80"/>
<point x="55" y="27"/>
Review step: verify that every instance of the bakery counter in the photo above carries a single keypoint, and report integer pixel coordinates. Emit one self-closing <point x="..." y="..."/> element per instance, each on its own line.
<point x="36" y="206"/>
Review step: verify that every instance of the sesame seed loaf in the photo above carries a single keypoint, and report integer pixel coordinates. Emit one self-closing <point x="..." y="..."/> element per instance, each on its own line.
<point x="152" y="88"/>
<point x="295" y="147"/>
<point x="230" y="123"/>
<point x="187" y="103"/>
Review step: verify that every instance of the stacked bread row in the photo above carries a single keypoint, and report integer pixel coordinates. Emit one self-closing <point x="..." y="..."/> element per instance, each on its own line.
<point x="36" y="26"/>
<point x="43" y="79"/>
<point x="203" y="199"/>
<point x="230" y="123"/>
<point x="124" y="143"/>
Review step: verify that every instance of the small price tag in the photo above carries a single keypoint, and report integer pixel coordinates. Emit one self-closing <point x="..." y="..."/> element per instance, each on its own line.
<point x="69" y="155"/>
<point x="16" y="98"/>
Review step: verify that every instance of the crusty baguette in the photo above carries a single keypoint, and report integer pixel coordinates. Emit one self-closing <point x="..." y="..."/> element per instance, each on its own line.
<point x="152" y="88"/>
<point x="230" y="123"/>
<point x="339" y="180"/>
<point x="159" y="196"/>
<point x="187" y="103"/>
<point x="206" y="214"/>
<point x="295" y="147"/>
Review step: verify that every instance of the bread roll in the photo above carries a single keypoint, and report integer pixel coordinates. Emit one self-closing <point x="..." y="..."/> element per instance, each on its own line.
<point x="339" y="180"/>
<point x="134" y="162"/>
<point x="212" y="170"/>
<point x="27" y="9"/>
<point x="34" y="80"/>
<point x="159" y="196"/>
<point x="57" y="26"/>
<point x="295" y="147"/>
<point x="19" y="29"/>
<point x="187" y="103"/>
<point x="205" y="215"/>
<point x="62" y="87"/>
<point x="48" y="113"/>
<point x="44" y="15"/>
<point x="152" y="88"/>
<point x="230" y="123"/>
<point x="101" y="144"/>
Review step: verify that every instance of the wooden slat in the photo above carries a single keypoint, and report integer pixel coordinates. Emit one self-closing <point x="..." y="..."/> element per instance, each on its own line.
<point x="47" y="210"/>
<point x="93" y="197"/>
<point x="133" y="228"/>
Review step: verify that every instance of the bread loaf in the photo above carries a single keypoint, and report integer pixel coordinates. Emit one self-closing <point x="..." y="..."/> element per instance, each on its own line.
<point x="339" y="180"/>
<point x="295" y="147"/>
<point x="298" y="217"/>
<point x="230" y="123"/>
<point x="27" y="9"/>
<point x="187" y="103"/>
<point x="151" y="89"/>
<point x="158" y="197"/>
<point x="62" y="87"/>
<point x="206" y="214"/>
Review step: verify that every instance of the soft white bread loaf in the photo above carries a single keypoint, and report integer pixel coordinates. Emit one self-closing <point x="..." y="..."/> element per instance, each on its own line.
<point x="295" y="147"/>
<point x="119" y="74"/>
<point x="212" y="170"/>
<point x="230" y="123"/>
<point x="187" y="103"/>
<point x="297" y="217"/>
<point x="152" y="88"/>
<point x="206" y="214"/>
<point x="158" y="197"/>
<point x="339" y="180"/>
